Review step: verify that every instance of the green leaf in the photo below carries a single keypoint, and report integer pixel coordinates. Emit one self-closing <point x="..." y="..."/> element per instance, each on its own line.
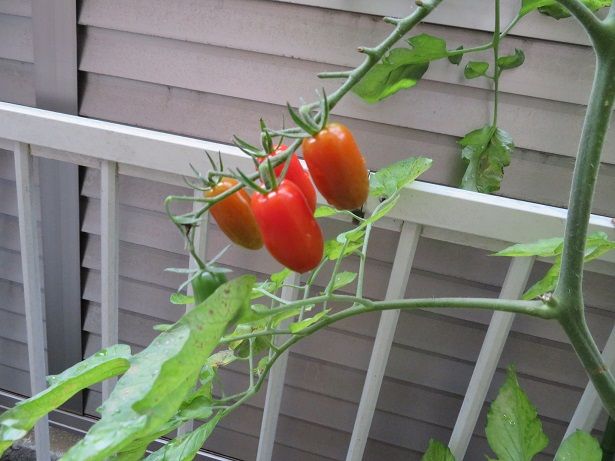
<point x="456" y="58"/>
<point x="579" y="446"/>
<point x="163" y="374"/>
<point x="512" y="60"/>
<point x="596" y="245"/>
<point x="180" y="298"/>
<point x="221" y="358"/>
<point x="390" y="76"/>
<point x="486" y="152"/>
<point x="547" y="283"/>
<point x="552" y="7"/>
<point x="162" y="327"/>
<point x="342" y="279"/>
<point x="388" y="180"/>
<point x="19" y="420"/>
<point x="475" y="69"/>
<point x="296" y="327"/>
<point x="402" y="68"/>
<point x="185" y="448"/>
<point x="544" y="248"/>
<point x="333" y="248"/>
<point x="279" y="277"/>
<point x="513" y="430"/>
<point x="437" y="451"/>
<point x="324" y="211"/>
<point x="383" y="209"/>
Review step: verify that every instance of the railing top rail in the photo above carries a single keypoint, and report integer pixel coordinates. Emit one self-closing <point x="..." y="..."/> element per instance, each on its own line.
<point x="464" y="217"/>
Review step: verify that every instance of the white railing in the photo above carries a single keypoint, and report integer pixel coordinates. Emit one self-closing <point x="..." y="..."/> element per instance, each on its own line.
<point x="429" y="210"/>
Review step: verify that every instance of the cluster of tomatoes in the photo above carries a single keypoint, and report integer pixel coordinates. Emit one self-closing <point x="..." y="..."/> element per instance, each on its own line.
<point x="283" y="217"/>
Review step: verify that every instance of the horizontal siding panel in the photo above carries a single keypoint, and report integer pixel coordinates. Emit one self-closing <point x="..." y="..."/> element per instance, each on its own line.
<point x="532" y="176"/>
<point x="17" y="82"/>
<point x="16" y="38"/>
<point x="471" y="14"/>
<point x="234" y="73"/>
<point x="543" y="75"/>
<point x="16" y="7"/>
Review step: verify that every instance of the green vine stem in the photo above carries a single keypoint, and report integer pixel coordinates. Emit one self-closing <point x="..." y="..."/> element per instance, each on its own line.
<point x="496" y="68"/>
<point x="568" y="295"/>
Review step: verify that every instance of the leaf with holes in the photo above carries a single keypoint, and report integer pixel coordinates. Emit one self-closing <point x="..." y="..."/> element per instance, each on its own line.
<point x="163" y="374"/>
<point x="513" y="429"/>
<point x="486" y="152"/>
<point x="579" y="446"/>
<point x="19" y="420"/>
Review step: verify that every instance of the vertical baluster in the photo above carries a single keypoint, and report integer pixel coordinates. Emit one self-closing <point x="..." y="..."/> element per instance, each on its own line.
<point x="109" y="260"/>
<point x="32" y="286"/>
<point x="589" y="407"/>
<point x="275" y="386"/>
<point x="402" y="264"/>
<point x="200" y="247"/>
<point x="488" y="358"/>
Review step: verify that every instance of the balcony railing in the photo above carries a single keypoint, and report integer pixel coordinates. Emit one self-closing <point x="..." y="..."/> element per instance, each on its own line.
<point x="433" y="211"/>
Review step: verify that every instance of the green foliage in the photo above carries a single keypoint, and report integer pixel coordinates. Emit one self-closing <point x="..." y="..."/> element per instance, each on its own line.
<point x="596" y="245"/>
<point x="512" y="60"/>
<point x="554" y="9"/>
<point x="456" y="58"/>
<point x="185" y="448"/>
<point x="513" y="429"/>
<point x="181" y="299"/>
<point x="579" y="446"/>
<point x="162" y="375"/>
<point x="401" y="68"/>
<point x="474" y="69"/>
<point x="296" y="327"/>
<point x="17" y="422"/>
<point x="342" y="279"/>
<point x="486" y="152"/>
<point x="437" y="451"/>
<point x="389" y="180"/>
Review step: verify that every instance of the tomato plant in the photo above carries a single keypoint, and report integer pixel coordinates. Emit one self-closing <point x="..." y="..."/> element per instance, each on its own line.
<point x="291" y="234"/>
<point x="234" y="215"/>
<point x="337" y="166"/>
<point x="170" y="382"/>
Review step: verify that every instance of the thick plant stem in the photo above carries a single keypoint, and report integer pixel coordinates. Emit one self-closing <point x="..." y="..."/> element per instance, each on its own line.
<point x="573" y="323"/>
<point x="568" y="292"/>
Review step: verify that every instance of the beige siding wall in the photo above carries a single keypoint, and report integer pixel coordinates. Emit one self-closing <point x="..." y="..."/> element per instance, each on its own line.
<point x="210" y="69"/>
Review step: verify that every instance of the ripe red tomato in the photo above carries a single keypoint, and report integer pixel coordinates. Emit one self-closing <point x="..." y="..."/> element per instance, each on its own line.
<point x="234" y="215"/>
<point x="296" y="174"/>
<point x="291" y="234"/>
<point x="337" y="167"/>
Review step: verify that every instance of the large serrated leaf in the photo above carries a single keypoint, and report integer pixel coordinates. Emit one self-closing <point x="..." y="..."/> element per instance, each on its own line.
<point x="513" y="430"/>
<point x="437" y="451"/>
<point x="16" y="422"/>
<point x="162" y="375"/>
<point x="579" y="446"/>
<point x="386" y="181"/>
<point x="486" y="152"/>
<point x="402" y="68"/>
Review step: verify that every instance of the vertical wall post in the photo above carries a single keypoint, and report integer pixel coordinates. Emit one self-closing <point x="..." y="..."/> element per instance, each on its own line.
<point x="32" y="287"/>
<point x="275" y="386"/>
<point x="488" y="358"/>
<point x="54" y="29"/>
<point x="109" y="261"/>
<point x="402" y="264"/>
